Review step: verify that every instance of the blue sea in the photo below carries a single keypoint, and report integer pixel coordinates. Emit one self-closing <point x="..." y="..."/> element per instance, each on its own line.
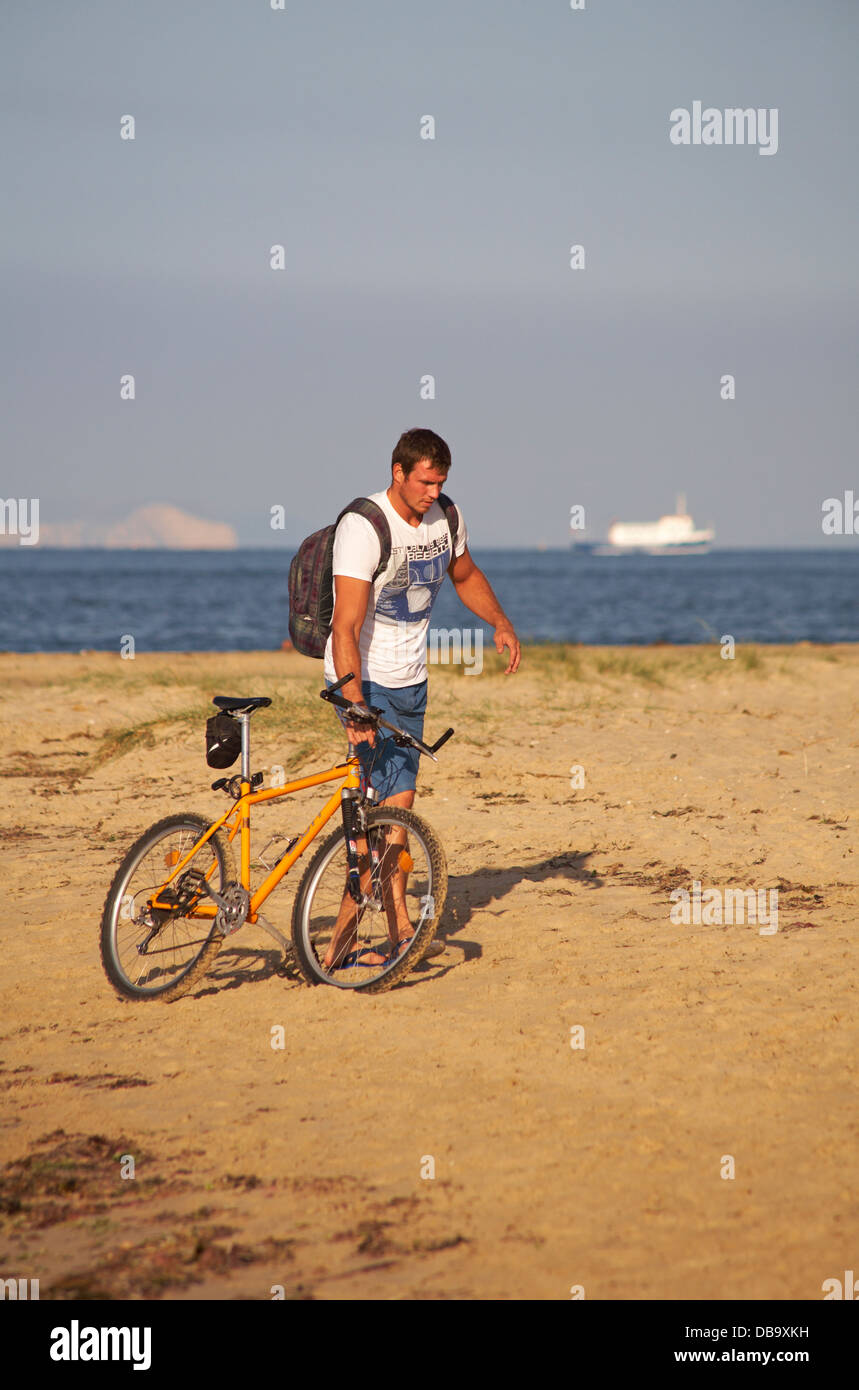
<point x="73" y="600"/>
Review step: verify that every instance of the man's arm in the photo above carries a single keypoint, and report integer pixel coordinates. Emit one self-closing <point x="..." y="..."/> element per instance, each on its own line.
<point x="474" y="589"/>
<point x="350" y="609"/>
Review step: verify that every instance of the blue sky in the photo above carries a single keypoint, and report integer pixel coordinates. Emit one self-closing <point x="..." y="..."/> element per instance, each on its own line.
<point x="451" y="257"/>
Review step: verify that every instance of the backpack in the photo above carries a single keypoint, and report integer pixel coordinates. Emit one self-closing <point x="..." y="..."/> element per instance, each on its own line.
<point x="311" y="580"/>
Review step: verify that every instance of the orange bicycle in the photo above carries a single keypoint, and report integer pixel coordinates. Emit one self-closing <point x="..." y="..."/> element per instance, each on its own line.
<point x="366" y="908"/>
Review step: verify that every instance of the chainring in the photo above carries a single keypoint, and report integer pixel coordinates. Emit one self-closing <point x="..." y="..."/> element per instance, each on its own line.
<point x="237" y="901"/>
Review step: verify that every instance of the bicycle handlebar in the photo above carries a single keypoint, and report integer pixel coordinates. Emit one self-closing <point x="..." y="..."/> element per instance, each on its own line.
<point x="371" y="716"/>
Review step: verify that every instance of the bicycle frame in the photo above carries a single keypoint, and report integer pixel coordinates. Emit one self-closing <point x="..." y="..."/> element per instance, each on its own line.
<point x="240" y="811"/>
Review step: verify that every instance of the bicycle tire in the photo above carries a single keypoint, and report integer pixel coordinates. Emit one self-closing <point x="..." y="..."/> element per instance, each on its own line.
<point x="311" y="967"/>
<point x="201" y="959"/>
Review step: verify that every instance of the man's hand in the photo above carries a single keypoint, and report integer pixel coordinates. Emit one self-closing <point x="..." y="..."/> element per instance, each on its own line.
<point x="361" y="733"/>
<point x="506" y="637"/>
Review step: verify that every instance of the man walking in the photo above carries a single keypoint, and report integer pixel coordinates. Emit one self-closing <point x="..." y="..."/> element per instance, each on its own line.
<point x="379" y="626"/>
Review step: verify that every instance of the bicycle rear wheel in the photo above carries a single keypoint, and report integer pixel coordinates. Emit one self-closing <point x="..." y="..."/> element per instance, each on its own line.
<point x="152" y="956"/>
<point x="372" y="944"/>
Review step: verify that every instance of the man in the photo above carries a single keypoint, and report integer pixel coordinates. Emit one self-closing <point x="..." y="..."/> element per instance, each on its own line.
<point x="379" y="627"/>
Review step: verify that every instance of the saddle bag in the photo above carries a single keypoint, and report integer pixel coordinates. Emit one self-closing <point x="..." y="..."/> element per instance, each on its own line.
<point x="223" y="740"/>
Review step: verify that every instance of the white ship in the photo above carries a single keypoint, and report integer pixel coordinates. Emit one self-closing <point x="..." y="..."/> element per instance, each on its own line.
<point x="670" y="535"/>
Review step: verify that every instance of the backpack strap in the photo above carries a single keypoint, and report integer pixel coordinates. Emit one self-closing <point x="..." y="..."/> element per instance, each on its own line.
<point x="379" y="522"/>
<point x="452" y="515"/>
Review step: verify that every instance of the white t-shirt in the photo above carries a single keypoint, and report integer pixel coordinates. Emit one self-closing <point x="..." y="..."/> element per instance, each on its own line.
<point x="394" y="633"/>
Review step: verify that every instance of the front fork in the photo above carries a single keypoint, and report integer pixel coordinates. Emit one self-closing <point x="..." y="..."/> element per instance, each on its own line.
<point x="353" y="804"/>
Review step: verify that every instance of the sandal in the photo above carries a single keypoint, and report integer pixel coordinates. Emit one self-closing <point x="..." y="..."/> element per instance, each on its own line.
<point x="355" y="958"/>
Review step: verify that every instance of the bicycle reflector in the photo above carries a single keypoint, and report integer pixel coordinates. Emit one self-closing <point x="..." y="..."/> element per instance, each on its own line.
<point x="223" y="740"/>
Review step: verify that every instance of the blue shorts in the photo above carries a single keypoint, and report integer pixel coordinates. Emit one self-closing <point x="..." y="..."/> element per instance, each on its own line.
<point x="388" y="768"/>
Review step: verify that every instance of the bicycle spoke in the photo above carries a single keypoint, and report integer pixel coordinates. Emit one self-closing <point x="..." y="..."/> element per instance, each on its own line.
<point x="146" y="952"/>
<point x="356" y="946"/>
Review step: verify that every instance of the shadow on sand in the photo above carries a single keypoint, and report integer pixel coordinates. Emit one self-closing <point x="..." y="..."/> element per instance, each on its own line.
<point x="237" y="965"/>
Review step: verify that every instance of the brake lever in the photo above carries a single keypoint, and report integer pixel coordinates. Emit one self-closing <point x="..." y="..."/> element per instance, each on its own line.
<point x="404" y="740"/>
<point x="355" y="715"/>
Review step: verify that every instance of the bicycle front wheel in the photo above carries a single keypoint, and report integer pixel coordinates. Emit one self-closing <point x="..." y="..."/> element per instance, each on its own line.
<point x="371" y="943"/>
<point x="156" y="955"/>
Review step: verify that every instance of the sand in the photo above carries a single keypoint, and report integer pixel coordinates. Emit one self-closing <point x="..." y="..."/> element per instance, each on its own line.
<point x="582" y="1074"/>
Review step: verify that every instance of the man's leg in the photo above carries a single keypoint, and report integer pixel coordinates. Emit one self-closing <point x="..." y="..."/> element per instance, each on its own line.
<point x="393" y="878"/>
<point x="395" y="875"/>
<point x="345" y="933"/>
<point x="387" y="767"/>
<point x="404" y="707"/>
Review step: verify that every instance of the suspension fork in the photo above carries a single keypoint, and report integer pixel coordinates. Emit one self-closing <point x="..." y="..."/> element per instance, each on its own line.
<point x="369" y="800"/>
<point x="353" y="805"/>
<point x="349" y="797"/>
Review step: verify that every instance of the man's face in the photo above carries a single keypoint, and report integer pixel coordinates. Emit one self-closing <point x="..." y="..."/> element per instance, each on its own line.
<point x="422" y="486"/>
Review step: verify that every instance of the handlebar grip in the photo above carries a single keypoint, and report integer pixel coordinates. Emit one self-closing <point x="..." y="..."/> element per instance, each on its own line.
<point x="448" y="733"/>
<point x="330" y="693"/>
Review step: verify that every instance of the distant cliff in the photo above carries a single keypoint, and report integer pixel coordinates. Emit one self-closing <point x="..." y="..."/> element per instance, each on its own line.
<point x="156" y="527"/>
<point x="166" y="526"/>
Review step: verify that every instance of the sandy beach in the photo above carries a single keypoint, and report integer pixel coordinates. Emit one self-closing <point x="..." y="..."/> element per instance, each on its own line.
<point x="614" y="1102"/>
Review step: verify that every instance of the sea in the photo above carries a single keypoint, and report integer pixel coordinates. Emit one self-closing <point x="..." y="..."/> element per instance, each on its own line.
<point x="83" y="600"/>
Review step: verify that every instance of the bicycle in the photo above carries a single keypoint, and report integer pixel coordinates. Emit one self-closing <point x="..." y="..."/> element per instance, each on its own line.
<point x="367" y="905"/>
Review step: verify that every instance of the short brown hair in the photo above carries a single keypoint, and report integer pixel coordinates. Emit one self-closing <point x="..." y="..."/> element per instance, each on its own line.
<point x="418" y="444"/>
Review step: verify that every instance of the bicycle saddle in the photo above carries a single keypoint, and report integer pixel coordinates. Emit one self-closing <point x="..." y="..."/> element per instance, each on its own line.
<point x="233" y="704"/>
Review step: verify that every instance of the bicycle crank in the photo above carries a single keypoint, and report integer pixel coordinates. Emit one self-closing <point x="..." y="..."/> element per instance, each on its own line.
<point x="233" y="905"/>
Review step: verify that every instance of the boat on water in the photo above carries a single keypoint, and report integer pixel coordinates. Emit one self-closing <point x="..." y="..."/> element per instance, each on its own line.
<point x="673" y="534"/>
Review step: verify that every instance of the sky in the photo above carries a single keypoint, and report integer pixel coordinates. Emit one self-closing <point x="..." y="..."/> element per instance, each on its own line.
<point x="406" y="257"/>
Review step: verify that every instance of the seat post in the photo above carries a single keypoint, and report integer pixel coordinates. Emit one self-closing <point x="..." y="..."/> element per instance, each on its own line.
<point x="245" y="721"/>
